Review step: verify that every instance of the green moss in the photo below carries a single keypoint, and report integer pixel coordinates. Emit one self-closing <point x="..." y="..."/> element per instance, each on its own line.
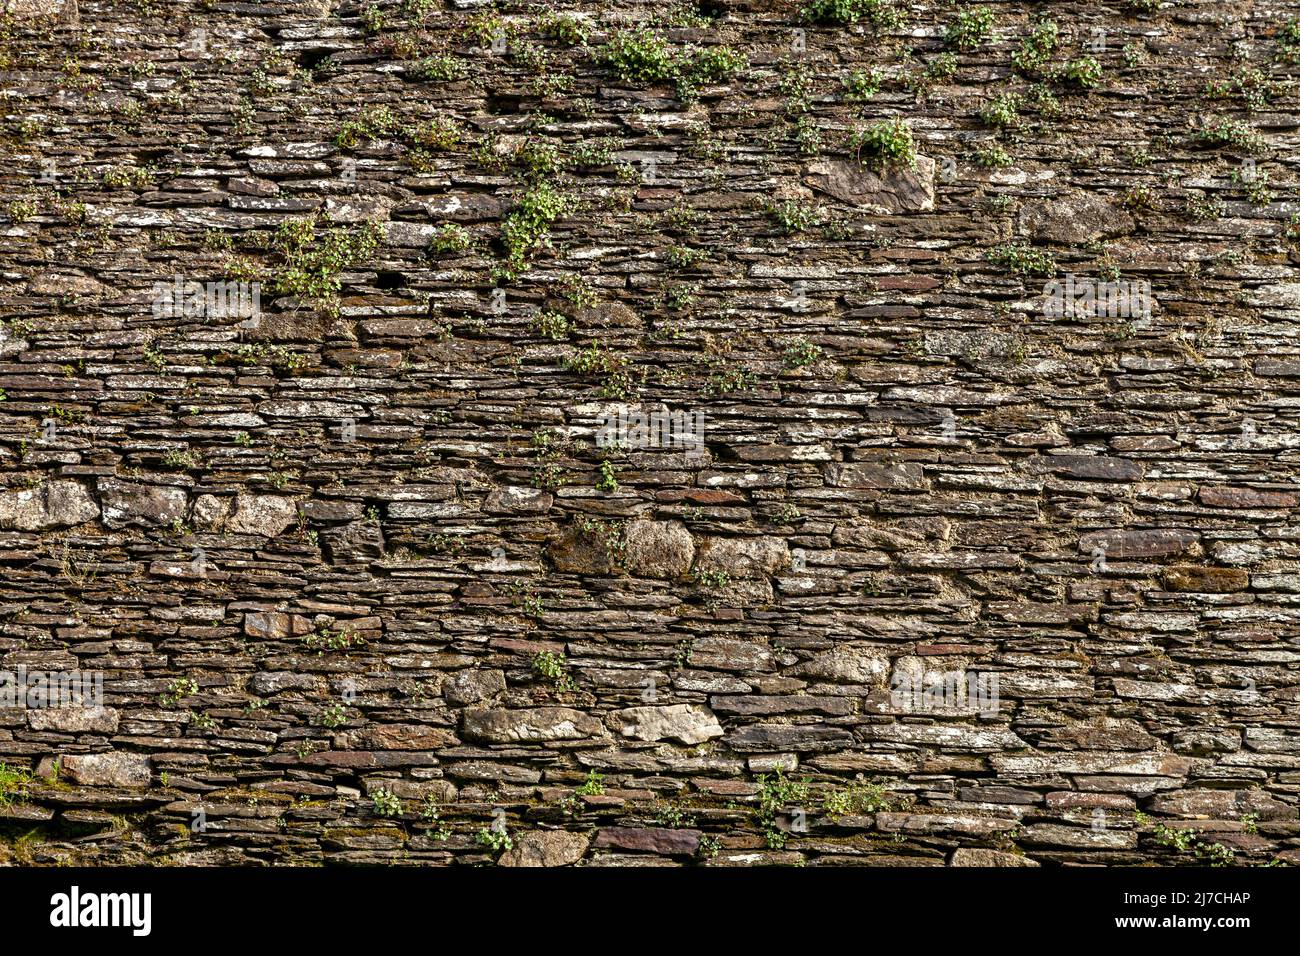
<point x="884" y="144"/>
<point x="774" y="794"/>
<point x="880" y="14"/>
<point x="1022" y="259"/>
<point x="794" y="215"/>
<point x="862" y="84"/>
<point x="1233" y="133"/>
<point x="14" y="782"/>
<point x="314" y="253"/>
<point x="527" y="226"/>
<point x="1037" y="48"/>
<point x="640" y="56"/>
<point x="1002" y="111"/>
<point x="970" y="29"/>
<point x="1084" y="72"/>
<point x="371" y="124"/>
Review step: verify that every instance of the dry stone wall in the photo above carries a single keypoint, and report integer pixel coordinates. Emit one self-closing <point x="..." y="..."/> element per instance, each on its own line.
<point x="611" y="434"/>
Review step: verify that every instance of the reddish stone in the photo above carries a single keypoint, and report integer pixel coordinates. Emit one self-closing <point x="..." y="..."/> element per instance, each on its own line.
<point x="665" y="842"/>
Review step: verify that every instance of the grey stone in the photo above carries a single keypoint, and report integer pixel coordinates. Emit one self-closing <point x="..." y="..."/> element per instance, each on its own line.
<point x="55" y="504"/>
<point x="685" y="723"/>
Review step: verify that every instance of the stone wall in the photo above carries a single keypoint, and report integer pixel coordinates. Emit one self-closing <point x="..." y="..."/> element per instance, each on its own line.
<point x="929" y="560"/>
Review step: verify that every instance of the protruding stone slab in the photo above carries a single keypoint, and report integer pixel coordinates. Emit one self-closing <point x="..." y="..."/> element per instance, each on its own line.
<point x="55" y="504"/>
<point x="546" y="848"/>
<point x="897" y="189"/>
<point x="975" y="856"/>
<point x="1074" y="219"/>
<point x="540" y="723"/>
<point x="686" y="723"/>
<point x="662" y="841"/>
<point x="267" y="515"/>
<point x="658" y="549"/>
<point x="103" y="770"/>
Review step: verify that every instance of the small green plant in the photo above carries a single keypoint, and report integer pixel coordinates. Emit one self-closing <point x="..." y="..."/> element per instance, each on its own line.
<point x="684" y="257"/>
<point x="532" y="606"/>
<point x="1288" y="41"/>
<point x="1134" y="54"/>
<point x="369" y="125"/>
<point x="712" y="580"/>
<point x="128" y="177"/>
<point x="21" y="210"/>
<point x="794" y="215"/>
<point x="800" y="353"/>
<point x="14" y="782"/>
<point x="787" y="514"/>
<point x="880" y="14"/>
<point x="884" y="144"/>
<point x="775" y="793"/>
<point x="607" y="480"/>
<point x="1083" y="72"/>
<point x="450" y="238"/>
<point x="1201" y="208"/>
<point x="178" y="689"/>
<point x="554" y="325"/>
<point x="640" y="56"/>
<point x="992" y="156"/>
<point x="315" y="253"/>
<point x="593" y="786"/>
<point x="971" y="28"/>
<point x="807" y="137"/>
<point x="1138" y="196"/>
<point x="177" y="460"/>
<point x="1185" y="840"/>
<point x="610" y="536"/>
<point x="495" y="839"/>
<point x="1255" y="185"/>
<point x="562" y="28"/>
<point x="437" y="134"/>
<point x="335" y="715"/>
<point x="699" y="67"/>
<point x="326" y="638"/>
<point x="554" y="668"/>
<point x="1037" y="48"/>
<point x="727" y="377"/>
<point x="1023" y="260"/>
<point x="673" y="815"/>
<point x="1233" y="133"/>
<point x="858" y="798"/>
<point x="942" y="67"/>
<point x="527" y="226"/>
<point x="643" y="57"/>
<point x="862" y="85"/>
<point x="386" y="803"/>
<point x="439" y="68"/>
<point x="1002" y="110"/>
<point x="431" y="816"/>
<point x="594" y="360"/>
